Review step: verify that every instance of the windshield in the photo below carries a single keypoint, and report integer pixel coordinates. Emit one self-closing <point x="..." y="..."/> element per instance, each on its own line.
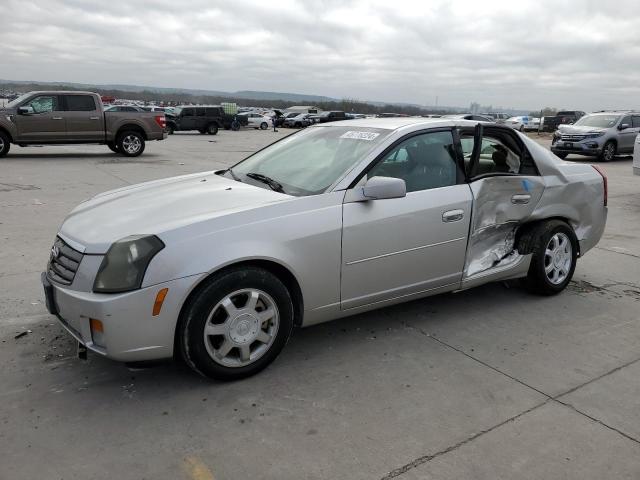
<point x="17" y="101"/>
<point x="176" y="111"/>
<point x="309" y="162"/>
<point x="599" y="121"/>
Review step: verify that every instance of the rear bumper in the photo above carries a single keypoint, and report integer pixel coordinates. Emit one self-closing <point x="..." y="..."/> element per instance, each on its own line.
<point x="131" y="332"/>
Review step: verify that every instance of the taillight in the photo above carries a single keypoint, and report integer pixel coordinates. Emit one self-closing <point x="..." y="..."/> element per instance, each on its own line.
<point x="161" y="120"/>
<point x="605" y="183"/>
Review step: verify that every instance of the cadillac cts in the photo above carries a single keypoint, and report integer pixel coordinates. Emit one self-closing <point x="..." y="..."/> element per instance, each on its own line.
<point x="337" y="219"/>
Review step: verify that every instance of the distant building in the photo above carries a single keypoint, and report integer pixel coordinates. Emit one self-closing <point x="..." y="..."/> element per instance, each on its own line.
<point x="303" y="109"/>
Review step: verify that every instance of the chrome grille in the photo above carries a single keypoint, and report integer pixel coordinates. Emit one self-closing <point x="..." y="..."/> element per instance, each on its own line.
<point x="63" y="262"/>
<point x="568" y="137"/>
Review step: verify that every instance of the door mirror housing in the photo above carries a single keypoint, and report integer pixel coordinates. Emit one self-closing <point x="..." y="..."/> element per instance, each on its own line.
<point x="24" y="110"/>
<point x="624" y="126"/>
<point x="378" y="188"/>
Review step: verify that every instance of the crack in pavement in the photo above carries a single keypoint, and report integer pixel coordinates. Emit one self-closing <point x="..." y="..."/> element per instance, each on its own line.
<point x="555" y="398"/>
<point x="617" y="251"/>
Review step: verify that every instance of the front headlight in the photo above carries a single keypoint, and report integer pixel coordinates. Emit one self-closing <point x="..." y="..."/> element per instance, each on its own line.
<point x="595" y="135"/>
<point x="125" y="263"/>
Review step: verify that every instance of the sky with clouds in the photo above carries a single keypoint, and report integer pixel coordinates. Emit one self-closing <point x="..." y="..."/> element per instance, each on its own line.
<point x="581" y="54"/>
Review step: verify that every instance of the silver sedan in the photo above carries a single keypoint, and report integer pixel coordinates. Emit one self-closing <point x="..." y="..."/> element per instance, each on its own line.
<point x="337" y="219"/>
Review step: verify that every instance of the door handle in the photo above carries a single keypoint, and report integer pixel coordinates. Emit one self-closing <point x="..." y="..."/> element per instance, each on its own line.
<point x="56" y="118"/>
<point x="453" y="216"/>
<point x="94" y="118"/>
<point x="520" y="199"/>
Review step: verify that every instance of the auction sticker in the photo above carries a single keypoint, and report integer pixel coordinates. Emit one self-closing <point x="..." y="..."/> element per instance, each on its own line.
<point x="360" y="135"/>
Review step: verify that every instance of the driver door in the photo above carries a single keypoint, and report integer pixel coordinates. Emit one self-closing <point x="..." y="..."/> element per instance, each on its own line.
<point x="399" y="247"/>
<point x="44" y="120"/>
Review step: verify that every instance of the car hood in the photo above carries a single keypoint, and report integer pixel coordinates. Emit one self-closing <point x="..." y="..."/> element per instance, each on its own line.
<point x="579" y="129"/>
<point x="160" y="206"/>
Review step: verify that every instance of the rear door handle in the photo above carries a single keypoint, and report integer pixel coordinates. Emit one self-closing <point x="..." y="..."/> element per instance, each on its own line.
<point x="56" y="118"/>
<point x="453" y="216"/>
<point x="521" y="199"/>
<point x="94" y="118"/>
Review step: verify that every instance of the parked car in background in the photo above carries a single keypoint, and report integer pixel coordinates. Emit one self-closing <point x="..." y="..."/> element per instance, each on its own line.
<point x="205" y="119"/>
<point x="603" y="135"/>
<point x="68" y="117"/>
<point x="332" y="116"/>
<point x="496" y="116"/>
<point x="256" y="120"/>
<point x="280" y="121"/>
<point x="123" y="108"/>
<point x="299" y="121"/>
<point x="564" y="117"/>
<point x="467" y="116"/>
<point x="153" y="108"/>
<point x="523" y="123"/>
<point x="339" y="219"/>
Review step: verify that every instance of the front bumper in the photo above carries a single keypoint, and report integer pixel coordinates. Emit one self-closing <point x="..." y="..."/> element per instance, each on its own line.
<point x="131" y="332"/>
<point x="589" y="147"/>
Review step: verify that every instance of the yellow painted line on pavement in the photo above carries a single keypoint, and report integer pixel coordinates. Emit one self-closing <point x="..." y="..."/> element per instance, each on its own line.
<point x="196" y="469"/>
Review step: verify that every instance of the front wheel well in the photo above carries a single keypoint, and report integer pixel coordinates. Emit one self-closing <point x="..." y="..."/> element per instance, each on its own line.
<point x="6" y="132"/>
<point x="283" y="274"/>
<point x="131" y="127"/>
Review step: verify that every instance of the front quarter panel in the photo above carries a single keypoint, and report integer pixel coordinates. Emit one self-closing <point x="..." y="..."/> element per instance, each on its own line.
<point x="303" y="235"/>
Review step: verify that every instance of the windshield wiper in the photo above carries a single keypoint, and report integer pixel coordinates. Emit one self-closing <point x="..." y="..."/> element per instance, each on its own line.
<point x="268" y="180"/>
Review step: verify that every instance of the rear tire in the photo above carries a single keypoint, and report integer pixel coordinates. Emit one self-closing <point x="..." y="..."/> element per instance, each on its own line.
<point x="608" y="151"/>
<point x="170" y="129"/>
<point x="5" y="144"/>
<point x="236" y="330"/>
<point x="212" y="129"/>
<point x="553" y="259"/>
<point x="130" y="143"/>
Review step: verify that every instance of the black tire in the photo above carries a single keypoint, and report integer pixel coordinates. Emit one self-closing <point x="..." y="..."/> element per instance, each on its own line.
<point x="170" y="129"/>
<point x="562" y="155"/>
<point x="113" y="147"/>
<point x="537" y="279"/>
<point x="264" y="126"/>
<point x="521" y="128"/>
<point x="608" y="151"/>
<point x="5" y="144"/>
<point x="195" y="316"/>
<point x="212" y="129"/>
<point x="202" y="132"/>
<point x="125" y="143"/>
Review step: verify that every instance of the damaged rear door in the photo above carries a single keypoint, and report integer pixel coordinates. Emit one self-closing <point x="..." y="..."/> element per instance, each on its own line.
<point x="506" y="188"/>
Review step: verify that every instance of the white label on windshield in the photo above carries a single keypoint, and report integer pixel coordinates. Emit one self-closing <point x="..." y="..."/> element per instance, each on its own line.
<point x="360" y="135"/>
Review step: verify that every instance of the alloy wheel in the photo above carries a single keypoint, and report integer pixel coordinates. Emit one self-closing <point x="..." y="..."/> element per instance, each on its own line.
<point x="558" y="256"/>
<point x="131" y="144"/>
<point x="609" y="152"/>
<point x="241" y="328"/>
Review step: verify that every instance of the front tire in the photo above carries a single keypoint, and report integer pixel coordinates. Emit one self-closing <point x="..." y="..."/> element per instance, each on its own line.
<point x="212" y="129"/>
<point x="264" y="126"/>
<point x="5" y="144"/>
<point x="554" y="257"/>
<point x="237" y="324"/>
<point x="608" y="151"/>
<point x="130" y="143"/>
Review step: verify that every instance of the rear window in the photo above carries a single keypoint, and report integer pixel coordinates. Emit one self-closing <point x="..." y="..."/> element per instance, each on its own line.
<point x="213" y="112"/>
<point x="80" y="103"/>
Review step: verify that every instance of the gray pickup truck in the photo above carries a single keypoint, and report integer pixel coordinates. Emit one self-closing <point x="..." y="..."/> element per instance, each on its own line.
<point x="62" y="118"/>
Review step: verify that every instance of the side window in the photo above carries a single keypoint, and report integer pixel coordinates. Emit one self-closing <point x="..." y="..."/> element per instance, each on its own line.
<point x="626" y="120"/>
<point x="200" y="112"/>
<point x="636" y="121"/>
<point x="80" y="103"/>
<point x="42" y="104"/>
<point x="187" y="112"/>
<point x="496" y="156"/>
<point x="423" y="161"/>
<point x="212" y="112"/>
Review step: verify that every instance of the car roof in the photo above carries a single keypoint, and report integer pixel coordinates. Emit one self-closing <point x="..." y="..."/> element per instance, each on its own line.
<point x="395" y="123"/>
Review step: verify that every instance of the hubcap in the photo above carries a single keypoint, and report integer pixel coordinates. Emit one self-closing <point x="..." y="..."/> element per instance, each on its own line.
<point x="241" y="328"/>
<point x="131" y="144"/>
<point x="558" y="258"/>
<point x="608" y="152"/>
<point x="1" y="144"/>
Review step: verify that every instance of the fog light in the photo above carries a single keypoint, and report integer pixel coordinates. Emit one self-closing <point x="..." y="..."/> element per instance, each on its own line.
<point x="97" y="332"/>
<point x="157" y="306"/>
<point x="592" y="145"/>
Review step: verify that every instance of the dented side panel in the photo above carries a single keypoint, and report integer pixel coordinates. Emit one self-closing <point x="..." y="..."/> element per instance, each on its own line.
<point x="500" y="205"/>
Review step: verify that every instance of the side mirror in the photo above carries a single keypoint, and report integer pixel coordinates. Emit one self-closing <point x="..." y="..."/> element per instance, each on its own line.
<point x="624" y="126"/>
<point x="378" y="188"/>
<point x="24" y="110"/>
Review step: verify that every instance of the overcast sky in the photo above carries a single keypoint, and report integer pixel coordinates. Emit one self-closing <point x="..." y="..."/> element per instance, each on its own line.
<point x="523" y="54"/>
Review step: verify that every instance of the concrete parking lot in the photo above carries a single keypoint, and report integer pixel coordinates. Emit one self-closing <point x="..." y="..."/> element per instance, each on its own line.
<point x="490" y="383"/>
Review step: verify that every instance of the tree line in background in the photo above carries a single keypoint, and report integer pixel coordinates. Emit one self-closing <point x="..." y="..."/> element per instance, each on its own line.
<point x="346" y="105"/>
